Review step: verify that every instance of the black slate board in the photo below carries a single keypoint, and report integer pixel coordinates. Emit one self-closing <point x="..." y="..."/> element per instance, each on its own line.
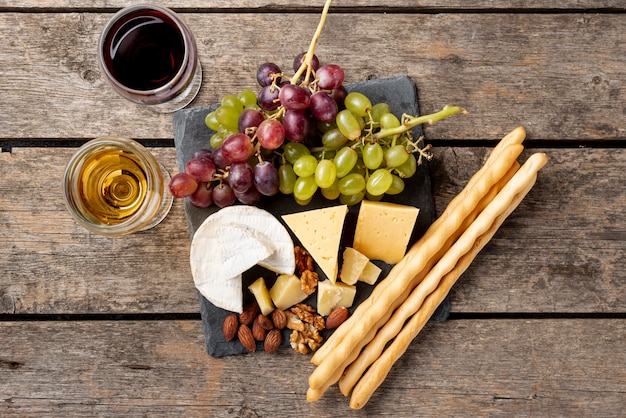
<point x="191" y="134"/>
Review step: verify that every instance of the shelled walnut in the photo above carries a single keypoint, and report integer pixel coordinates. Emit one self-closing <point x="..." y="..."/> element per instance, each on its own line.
<point x="305" y="326"/>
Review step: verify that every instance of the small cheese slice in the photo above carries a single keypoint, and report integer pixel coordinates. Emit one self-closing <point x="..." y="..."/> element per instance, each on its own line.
<point x="287" y="291"/>
<point x="319" y="231"/>
<point x="383" y="230"/>
<point x="370" y="273"/>
<point x="331" y="295"/>
<point x="352" y="265"/>
<point x="262" y="296"/>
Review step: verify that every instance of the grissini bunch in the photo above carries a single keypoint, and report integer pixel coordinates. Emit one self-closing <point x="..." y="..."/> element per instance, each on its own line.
<point x="352" y="335"/>
<point x="420" y="306"/>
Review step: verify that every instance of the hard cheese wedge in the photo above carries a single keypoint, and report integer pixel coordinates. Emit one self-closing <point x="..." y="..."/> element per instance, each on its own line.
<point x="352" y="266"/>
<point x="383" y="230"/>
<point x="319" y="231"/>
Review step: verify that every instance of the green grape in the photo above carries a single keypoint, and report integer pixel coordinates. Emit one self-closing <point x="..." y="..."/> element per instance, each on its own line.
<point x="396" y="156"/>
<point x="302" y="202"/>
<point x="211" y="121"/>
<point x="247" y="98"/>
<point x="295" y="150"/>
<point x="397" y="185"/>
<point x="351" y="200"/>
<point x="286" y="178"/>
<point x="358" y="103"/>
<point x="324" y="127"/>
<point x="304" y="188"/>
<point x="325" y="173"/>
<point x="375" y="198"/>
<point x="228" y="116"/>
<point x="407" y="168"/>
<point x="348" y="124"/>
<point x="344" y="160"/>
<point x="389" y="121"/>
<point x="232" y="101"/>
<point x="360" y="119"/>
<point x="379" y="182"/>
<point x="216" y="140"/>
<point x="352" y="184"/>
<point x="378" y="110"/>
<point x="305" y="166"/>
<point x="373" y="155"/>
<point x="333" y="139"/>
<point x="332" y="192"/>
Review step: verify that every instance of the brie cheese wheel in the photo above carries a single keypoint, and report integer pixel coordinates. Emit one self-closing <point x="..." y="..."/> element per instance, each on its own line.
<point x="228" y="243"/>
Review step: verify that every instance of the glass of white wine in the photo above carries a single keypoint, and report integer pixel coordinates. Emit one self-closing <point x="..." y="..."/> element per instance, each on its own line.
<point x="114" y="186"/>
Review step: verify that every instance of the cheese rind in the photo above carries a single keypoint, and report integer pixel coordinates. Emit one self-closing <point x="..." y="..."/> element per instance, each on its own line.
<point x="370" y="273"/>
<point x="331" y="295"/>
<point x="352" y="265"/>
<point x="383" y="230"/>
<point x="319" y="231"/>
<point x="287" y="291"/>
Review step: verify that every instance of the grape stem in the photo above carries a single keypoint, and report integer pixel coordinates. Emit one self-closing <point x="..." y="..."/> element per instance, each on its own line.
<point x="308" y="58"/>
<point x="410" y="122"/>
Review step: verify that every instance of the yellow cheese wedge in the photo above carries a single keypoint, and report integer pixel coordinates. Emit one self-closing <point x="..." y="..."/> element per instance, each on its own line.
<point x="262" y="296"/>
<point x="319" y="231"/>
<point x="352" y="265"/>
<point x="286" y="291"/>
<point x="383" y="230"/>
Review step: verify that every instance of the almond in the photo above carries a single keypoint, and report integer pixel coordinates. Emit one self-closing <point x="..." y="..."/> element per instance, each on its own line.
<point x="273" y="341"/>
<point x="265" y="322"/>
<point x="258" y="332"/>
<point x="337" y="317"/>
<point x="279" y="318"/>
<point x="231" y="324"/>
<point x="246" y="338"/>
<point x="249" y="313"/>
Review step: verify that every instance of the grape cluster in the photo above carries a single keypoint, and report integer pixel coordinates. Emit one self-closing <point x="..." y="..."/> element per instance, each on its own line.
<point x="299" y="135"/>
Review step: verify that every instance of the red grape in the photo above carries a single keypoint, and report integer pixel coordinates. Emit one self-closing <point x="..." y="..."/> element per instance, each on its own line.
<point x="330" y="76"/>
<point x="266" y="178"/>
<point x="268" y="98"/>
<point x="297" y="62"/>
<point x="203" y="196"/>
<point x="264" y="71"/>
<point x="240" y="176"/>
<point x="323" y="107"/>
<point x="249" y="118"/>
<point x="182" y="185"/>
<point x="202" y="153"/>
<point x="249" y="197"/>
<point x="293" y="97"/>
<point x="339" y="95"/>
<point x="200" y="168"/>
<point x="237" y="147"/>
<point x="223" y="195"/>
<point x="219" y="159"/>
<point x="271" y="134"/>
<point x="296" y="124"/>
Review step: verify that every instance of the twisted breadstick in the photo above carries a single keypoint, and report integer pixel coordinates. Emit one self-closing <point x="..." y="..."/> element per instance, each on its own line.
<point x="511" y="143"/>
<point x="384" y="297"/>
<point x="450" y="267"/>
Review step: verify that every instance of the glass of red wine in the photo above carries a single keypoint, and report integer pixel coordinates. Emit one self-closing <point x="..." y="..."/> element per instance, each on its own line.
<point x="149" y="56"/>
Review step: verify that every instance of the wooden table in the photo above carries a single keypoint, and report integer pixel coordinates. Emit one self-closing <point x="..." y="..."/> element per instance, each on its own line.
<point x="101" y="326"/>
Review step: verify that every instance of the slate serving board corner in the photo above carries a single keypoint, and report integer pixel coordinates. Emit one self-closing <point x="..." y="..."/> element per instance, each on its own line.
<point x="191" y="134"/>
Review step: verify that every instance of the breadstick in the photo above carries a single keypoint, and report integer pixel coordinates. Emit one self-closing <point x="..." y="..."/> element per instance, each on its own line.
<point x="402" y="274"/>
<point x="491" y="172"/>
<point x="394" y="323"/>
<point x="480" y="232"/>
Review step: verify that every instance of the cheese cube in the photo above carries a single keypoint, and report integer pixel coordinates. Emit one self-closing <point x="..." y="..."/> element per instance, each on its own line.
<point x="287" y="291"/>
<point x="352" y="266"/>
<point x="370" y="273"/>
<point x="262" y="296"/>
<point x="383" y="230"/>
<point x="331" y="295"/>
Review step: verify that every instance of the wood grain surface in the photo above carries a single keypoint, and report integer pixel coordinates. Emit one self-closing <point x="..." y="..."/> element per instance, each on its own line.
<point x="97" y="326"/>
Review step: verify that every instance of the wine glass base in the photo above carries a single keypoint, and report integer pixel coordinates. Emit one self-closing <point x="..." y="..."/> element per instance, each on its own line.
<point x="184" y="98"/>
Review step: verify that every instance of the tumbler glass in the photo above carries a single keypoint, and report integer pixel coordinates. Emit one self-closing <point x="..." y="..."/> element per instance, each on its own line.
<point x="114" y="186"/>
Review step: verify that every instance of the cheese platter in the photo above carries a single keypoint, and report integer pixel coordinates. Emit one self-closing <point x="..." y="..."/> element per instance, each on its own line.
<point x="191" y="134"/>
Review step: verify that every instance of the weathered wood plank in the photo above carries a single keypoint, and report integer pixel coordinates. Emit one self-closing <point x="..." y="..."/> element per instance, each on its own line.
<point x="562" y="250"/>
<point x="459" y="368"/>
<point x="506" y="69"/>
<point x="287" y="5"/>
